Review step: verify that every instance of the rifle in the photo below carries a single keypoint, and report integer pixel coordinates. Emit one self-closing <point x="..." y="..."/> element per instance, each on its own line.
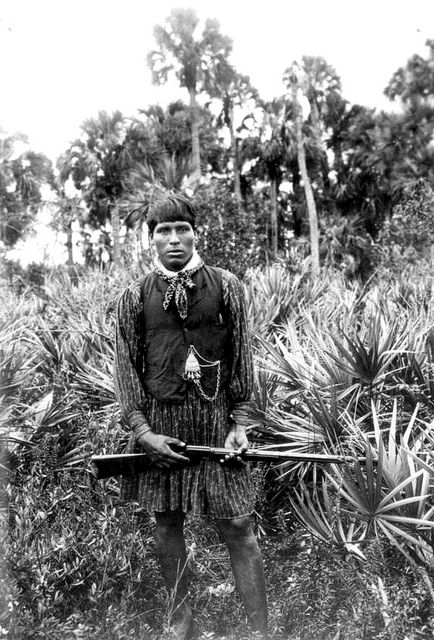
<point x="106" y="466"/>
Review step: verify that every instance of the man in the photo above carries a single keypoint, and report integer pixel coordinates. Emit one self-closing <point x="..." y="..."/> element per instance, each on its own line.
<point x="183" y="375"/>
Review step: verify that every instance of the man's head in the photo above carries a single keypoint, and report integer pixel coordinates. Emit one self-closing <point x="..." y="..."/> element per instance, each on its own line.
<point x="171" y="222"/>
<point x="170" y="208"/>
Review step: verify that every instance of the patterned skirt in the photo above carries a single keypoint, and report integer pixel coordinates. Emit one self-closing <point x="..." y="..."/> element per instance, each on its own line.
<point x="203" y="488"/>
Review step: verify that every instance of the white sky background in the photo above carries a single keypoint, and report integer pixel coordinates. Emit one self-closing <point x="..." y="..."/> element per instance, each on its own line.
<point x="62" y="61"/>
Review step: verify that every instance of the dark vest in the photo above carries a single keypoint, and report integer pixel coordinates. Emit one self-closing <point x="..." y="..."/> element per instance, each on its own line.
<point x="165" y="337"/>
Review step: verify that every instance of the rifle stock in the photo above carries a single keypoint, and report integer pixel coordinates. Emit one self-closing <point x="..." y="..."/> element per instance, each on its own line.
<point x="107" y="466"/>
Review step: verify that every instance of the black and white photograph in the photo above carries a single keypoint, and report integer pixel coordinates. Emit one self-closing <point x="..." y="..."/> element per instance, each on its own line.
<point x="217" y="320"/>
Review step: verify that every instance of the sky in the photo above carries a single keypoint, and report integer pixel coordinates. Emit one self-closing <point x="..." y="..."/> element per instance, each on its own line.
<point x="62" y="61"/>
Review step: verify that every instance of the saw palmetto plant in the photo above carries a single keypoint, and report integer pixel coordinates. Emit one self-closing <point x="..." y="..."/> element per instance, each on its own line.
<point x="341" y="389"/>
<point x="388" y="495"/>
<point x="56" y="367"/>
<point x="272" y="297"/>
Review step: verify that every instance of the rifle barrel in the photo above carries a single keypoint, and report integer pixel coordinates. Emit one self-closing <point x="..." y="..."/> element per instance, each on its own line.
<point x="105" y="466"/>
<point x="262" y="455"/>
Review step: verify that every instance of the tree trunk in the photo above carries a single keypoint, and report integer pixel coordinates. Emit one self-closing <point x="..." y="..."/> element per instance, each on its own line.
<point x="321" y="158"/>
<point x="68" y="244"/>
<point x="128" y="247"/>
<point x="316" y="128"/>
<point x="141" y="249"/>
<point x="195" y="143"/>
<point x="116" y="230"/>
<point x="274" y="219"/>
<point x="310" y="200"/>
<point x="235" y="163"/>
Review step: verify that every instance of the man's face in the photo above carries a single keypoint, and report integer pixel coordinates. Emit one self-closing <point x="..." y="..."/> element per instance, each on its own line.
<point x="174" y="243"/>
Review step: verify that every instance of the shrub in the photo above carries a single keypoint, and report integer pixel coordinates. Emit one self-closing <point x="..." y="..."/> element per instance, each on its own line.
<point x="407" y="237"/>
<point x="227" y="238"/>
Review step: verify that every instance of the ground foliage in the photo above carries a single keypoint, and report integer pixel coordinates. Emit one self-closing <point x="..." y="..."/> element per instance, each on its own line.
<point x="340" y="367"/>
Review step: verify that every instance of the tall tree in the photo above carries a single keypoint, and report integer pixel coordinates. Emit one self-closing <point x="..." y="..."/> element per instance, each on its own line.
<point x="379" y="155"/>
<point x="269" y="151"/>
<point x="413" y="128"/>
<point x="273" y="151"/>
<point x="171" y="128"/>
<point x="22" y="176"/>
<point x="164" y="164"/>
<point x="322" y="88"/>
<point x="67" y="210"/>
<point x="95" y="166"/>
<point x="192" y="60"/>
<point x="295" y="80"/>
<point x="160" y="148"/>
<point x="362" y="186"/>
<point x="414" y="83"/>
<point x="236" y="94"/>
<point x="101" y="162"/>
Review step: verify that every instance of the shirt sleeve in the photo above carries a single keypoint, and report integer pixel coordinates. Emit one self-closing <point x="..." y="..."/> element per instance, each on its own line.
<point x="128" y="387"/>
<point x="241" y="381"/>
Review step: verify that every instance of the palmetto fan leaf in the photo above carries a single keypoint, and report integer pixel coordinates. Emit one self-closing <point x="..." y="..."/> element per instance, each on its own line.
<point x="93" y="384"/>
<point x="323" y="348"/>
<point x="415" y="549"/>
<point x="47" y="343"/>
<point x="264" y="390"/>
<point x="397" y="461"/>
<point x="317" y="404"/>
<point x="389" y="494"/>
<point x="274" y="298"/>
<point x="311" y="428"/>
<point x="332" y="422"/>
<point x="38" y="419"/>
<point x="419" y="370"/>
<point x="320" y="514"/>
<point x="295" y="367"/>
<point x="292" y="432"/>
<point x="401" y="512"/>
<point x="46" y="413"/>
<point x="312" y="366"/>
<point x="15" y="368"/>
<point x="17" y="362"/>
<point x="374" y="358"/>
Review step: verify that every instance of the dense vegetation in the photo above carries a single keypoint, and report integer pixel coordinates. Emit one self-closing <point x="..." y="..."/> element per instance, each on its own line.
<point x="348" y="548"/>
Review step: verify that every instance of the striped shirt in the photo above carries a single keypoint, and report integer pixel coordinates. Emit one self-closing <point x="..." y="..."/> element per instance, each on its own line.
<point x="205" y="488"/>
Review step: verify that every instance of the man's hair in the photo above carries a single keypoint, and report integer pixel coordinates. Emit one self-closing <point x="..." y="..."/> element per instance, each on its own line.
<point x="170" y="208"/>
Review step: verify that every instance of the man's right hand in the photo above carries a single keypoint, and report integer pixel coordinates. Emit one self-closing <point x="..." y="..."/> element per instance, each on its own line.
<point x="158" y="448"/>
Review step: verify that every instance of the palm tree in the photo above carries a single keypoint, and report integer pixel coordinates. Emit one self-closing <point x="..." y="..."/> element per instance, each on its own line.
<point x="95" y="166"/>
<point x="102" y="162"/>
<point x="270" y="150"/>
<point x="21" y="180"/>
<point x="294" y="81"/>
<point x="68" y="209"/>
<point x="193" y="62"/>
<point x="235" y="92"/>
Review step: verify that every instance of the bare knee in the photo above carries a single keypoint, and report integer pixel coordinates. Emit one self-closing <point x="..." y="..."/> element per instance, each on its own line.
<point x="237" y="532"/>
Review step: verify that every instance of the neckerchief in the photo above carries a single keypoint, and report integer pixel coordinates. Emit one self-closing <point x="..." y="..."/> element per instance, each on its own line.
<point x="179" y="282"/>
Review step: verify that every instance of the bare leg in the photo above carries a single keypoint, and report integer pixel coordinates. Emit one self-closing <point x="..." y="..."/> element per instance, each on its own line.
<point x="246" y="561"/>
<point x="170" y="545"/>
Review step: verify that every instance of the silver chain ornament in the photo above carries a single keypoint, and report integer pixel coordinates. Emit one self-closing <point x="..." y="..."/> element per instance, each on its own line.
<point x="192" y="372"/>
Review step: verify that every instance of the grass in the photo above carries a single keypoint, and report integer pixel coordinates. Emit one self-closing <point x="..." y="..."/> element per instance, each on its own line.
<point x="313" y="592"/>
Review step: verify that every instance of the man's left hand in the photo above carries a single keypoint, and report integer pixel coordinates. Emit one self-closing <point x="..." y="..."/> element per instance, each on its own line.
<point x="237" y="442"/>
